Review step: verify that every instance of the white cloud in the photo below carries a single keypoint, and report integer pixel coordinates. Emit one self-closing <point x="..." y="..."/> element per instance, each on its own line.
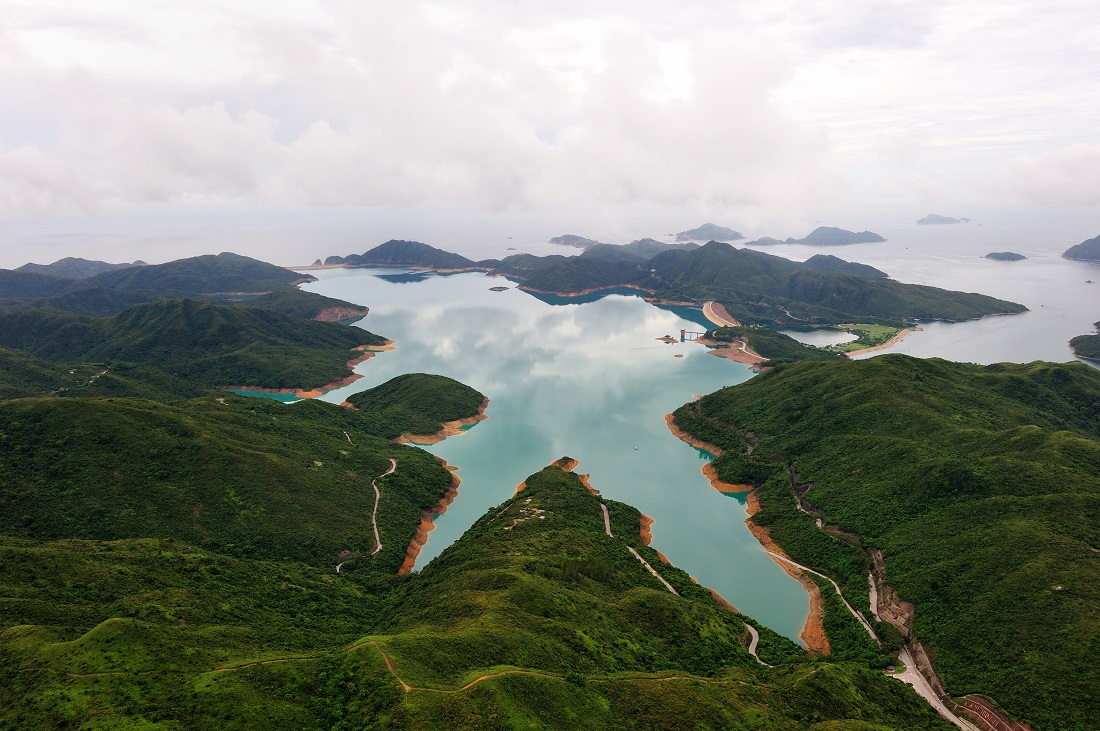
<point x="1068" y="176"/>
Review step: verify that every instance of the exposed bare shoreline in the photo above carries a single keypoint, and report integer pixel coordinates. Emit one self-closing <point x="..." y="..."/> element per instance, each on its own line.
<point x="450" y="428"/>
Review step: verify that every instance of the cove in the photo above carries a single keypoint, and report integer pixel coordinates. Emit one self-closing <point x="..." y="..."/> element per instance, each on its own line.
<point x="589" y="381"/>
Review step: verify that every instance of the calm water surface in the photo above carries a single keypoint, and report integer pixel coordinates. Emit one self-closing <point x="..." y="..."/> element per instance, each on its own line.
<point x="587" y="381"/>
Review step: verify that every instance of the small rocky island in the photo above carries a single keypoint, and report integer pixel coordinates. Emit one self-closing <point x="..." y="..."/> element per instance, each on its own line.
<point x="1084" y="251"/>
<point x="937" y="219"/>
<point x="1004" y="256"/>
<point x="578" y="242"/>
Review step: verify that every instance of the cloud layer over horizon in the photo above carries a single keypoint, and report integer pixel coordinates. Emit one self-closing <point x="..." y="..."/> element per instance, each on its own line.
<point x="534" y="105"/>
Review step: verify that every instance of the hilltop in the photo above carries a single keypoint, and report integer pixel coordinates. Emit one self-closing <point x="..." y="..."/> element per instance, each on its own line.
<point x="936" y="219"/>
<point x="74" y="267"/>
<point x="403" y="254"/>
<point x="579" y="242"/>
<point x="709" y="232"/>
<point x="970" y="490"/>
<point x="832" y="236"/>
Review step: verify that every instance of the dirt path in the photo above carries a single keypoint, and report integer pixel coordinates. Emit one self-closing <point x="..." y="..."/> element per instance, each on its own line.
<point x="606" y="520"/>
<point x="753" y="642"/>
<point x="911" y="676"/>
<point x="652" y="570"/>
<point x="374" y="512"/>
<point x="377" y="497"/>
<point x="859" y="617"/>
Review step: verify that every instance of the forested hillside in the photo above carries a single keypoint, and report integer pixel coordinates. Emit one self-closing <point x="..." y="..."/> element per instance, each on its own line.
<point x="980" y="487"/>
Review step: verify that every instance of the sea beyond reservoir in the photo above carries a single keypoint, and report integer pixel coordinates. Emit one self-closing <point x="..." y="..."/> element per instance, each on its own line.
<point x="592" y="381"/>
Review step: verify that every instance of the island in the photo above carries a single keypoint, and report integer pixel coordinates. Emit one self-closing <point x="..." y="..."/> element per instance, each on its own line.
<point x="1088" y="250"/>
<point x="1004" y="256"/>
<point x="832" y="236"/>
<point x="933" y="219"/>
<point x="578" y="242"/>
<point x="709" y="232"/>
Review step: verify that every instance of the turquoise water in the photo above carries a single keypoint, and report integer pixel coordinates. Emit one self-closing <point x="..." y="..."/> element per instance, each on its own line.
<point x="588" y="381"/>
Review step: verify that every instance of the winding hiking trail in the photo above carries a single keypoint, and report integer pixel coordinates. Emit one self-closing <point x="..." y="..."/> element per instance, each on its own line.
<point x="374" y="513"/>
<point x="377" y="497"/>
<point x="754" y="640"/>
<point x="650" y="569"/>
<point x="910" y="676"/>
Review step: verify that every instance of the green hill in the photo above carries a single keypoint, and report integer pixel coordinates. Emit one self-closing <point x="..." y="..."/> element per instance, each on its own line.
<point x="404" y="254"/>
<point x="535" y="618"/>
<point x="1087" y="346"/>
<point x="217" y="345"/>
<point x="759" y="287"/>
<point x="73" y="267"/>
<point x="24" y="285"/>
<point x="416" y="403"/>
<point x="310" y="305"/>
<point x="225" y="272"/>
<point x="775" y="346"/>
<point x="828" y="263"/>
<point x="978" y="484"/>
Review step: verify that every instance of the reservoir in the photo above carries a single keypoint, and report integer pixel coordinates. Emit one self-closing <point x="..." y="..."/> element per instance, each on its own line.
<point x="589" y="381"/>
<point x="587" y="378"/>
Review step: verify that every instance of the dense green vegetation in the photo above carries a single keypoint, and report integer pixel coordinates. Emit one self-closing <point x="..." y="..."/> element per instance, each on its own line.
<point x="74" y="267"/>
<point x="212" y="344"/>
<point x="1085" y="251"/>
<point x="829" y="263"/>
<point x="225" y="272"/>
<point x="168" y="561"/>
<point x="868" y="336"/>
<point x="980" y="486"/>
<point x="16" y="285"/>
<point x="1087" y="346"/>
<point x="416" y="403"/>
<point x="833" y="236"/>
<point x="298" y="303"/>
<point x="775" y="346"/>
<point x="404" y="253"/>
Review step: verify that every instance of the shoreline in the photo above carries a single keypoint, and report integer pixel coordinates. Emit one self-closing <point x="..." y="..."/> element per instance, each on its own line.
<point x="645" y="523"/>
<point x="725" y="488"/>
<point x="450" y="428"/>
<point x="427" y="520"/>
<point x="897" y="338"/>
<point x="591" y="290"/>
<point x="683" y="436"/>
<point x="813" y="632"/>
<point x="744" y="354"/>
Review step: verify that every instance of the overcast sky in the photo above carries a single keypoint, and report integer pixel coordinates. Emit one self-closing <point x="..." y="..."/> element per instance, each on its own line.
<point x="123" y="118"/>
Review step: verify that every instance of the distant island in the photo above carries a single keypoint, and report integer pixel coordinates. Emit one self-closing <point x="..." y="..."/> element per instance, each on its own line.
<point x="578" y="242"/>
<point x="825" y="236"/>
<point x="1084" y="251"/>
<point x="936" y="219"/>
<point x="754" y="287"/>
<point x="709" y="232"/>
<point x="1004" y="256"/>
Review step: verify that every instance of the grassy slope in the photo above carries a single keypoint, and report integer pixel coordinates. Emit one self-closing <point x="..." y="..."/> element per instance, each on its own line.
<point x="979" y="484"/>
<point x="225" y="272"/>
<point x="416" y="403"/>
<point x="211" y="344"/>
<point x="603" y="645"/>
